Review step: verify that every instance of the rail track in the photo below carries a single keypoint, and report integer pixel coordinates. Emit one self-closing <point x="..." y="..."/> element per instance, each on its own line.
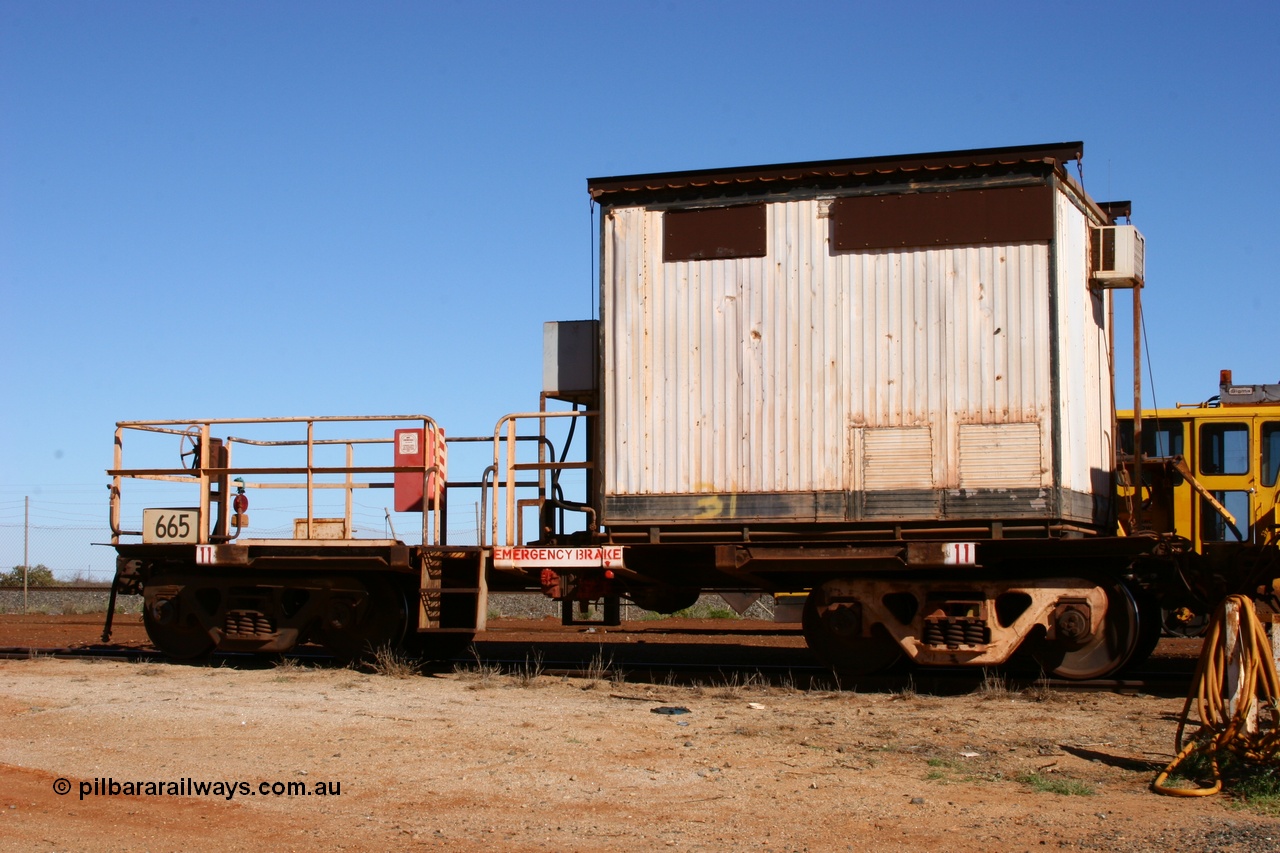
<point x="621" y="664"/>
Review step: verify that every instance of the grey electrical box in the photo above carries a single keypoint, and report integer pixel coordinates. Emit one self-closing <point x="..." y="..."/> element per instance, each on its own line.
<point x="569" y="356"/>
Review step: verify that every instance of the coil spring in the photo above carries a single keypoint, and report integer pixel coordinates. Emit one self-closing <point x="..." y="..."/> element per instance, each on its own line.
<point x="248" y="623"/>
<point x="956" y="633"/>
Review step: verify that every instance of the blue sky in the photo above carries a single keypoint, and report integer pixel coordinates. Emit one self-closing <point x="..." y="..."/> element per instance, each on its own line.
<point x="297" y="208"/>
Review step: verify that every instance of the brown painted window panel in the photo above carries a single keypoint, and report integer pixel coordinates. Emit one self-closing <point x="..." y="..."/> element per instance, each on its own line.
<point x="714" y="232"/>
<point x="961" y="217"/>
<point x="1102" y="248"/>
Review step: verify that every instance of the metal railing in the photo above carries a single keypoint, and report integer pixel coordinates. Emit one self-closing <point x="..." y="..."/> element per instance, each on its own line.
<point x="505" y="525"/>
<point x="206" y="474"/>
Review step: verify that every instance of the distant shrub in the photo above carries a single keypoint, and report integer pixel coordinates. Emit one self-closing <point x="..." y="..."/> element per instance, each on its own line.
<point x="40" y="575"/>
<point x="703" y="610"/>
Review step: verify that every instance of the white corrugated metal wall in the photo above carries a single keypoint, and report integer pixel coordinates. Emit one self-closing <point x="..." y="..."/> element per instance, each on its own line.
<point x="757" y="374"/>
<point x="1085" y="410"/>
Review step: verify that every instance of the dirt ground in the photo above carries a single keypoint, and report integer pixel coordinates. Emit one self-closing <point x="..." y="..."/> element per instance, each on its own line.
<point x="472" y="759"/>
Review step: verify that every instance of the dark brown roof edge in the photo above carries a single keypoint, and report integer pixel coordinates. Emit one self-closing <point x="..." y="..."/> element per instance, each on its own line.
<point x="1056" y="153"/>
<point x="1117" y="209"/>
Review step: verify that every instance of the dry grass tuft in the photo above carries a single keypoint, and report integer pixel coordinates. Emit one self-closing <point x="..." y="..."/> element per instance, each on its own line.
<point x="393" y="663"/>
<point x="482" y="675"/>
<point x="530" y="674"/>
<point x="907" y="692"/>
<point x="1041" y="692"/>
<point x="735" y="685"/>
<point x="993" y="686"/>
<point x="599" y="671"/>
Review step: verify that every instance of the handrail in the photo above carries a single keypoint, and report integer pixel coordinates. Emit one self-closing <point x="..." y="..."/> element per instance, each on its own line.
<point x="505" y="440"/>
<point x="490" y="471"/>
<point x="318" y="419"/>
<point x="205" y="473"/>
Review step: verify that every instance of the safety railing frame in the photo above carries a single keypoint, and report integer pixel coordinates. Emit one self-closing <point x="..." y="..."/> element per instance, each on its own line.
<point x="204" y="475"/>
<point x="503" y="491"/>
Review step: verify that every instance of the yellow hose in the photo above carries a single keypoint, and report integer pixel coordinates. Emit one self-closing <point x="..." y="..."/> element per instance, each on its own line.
<point x="1220" y="729"/>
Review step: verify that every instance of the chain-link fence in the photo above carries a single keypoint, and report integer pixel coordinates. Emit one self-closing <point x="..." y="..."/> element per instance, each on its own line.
<point x="58" y="533"/>
<point x="61" y="527"/>
<point x="70" y="552"/>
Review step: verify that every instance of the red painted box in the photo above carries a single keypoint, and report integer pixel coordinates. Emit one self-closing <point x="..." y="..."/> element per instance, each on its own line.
<point x="412" y="448"/>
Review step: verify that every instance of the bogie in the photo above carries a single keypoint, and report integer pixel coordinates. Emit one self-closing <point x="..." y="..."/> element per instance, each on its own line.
<point x="1076" y="628"/>
<point x="350" y="616"/>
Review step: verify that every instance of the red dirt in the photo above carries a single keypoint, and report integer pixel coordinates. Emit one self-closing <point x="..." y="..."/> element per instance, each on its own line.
<point x="474" y="760"/>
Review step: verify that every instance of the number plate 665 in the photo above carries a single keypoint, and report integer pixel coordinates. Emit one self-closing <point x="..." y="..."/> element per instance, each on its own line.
<point x="165" y="526"/>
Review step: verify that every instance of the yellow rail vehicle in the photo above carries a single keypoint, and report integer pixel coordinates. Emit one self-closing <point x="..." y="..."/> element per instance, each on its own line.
<point x="1211" y="475"/>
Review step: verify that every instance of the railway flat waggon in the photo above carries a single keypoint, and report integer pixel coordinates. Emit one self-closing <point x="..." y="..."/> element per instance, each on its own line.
<point x="886" y="382"/>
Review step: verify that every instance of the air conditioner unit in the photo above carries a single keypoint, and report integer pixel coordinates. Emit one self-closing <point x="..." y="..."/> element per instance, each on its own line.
<point x="1116" y="255"/>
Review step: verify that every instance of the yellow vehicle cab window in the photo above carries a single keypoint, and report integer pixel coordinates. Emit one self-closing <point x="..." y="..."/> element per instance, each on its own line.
<point x="1224" y="448"/>
<point x="1270" y="452"/>
<point x="1159" y="438"/>
<point x="1214" y="528"/>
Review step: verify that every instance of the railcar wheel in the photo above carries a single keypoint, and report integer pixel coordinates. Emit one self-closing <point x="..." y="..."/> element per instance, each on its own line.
<point x="355" y="626"/>
<point x="1105" y="652"/>
<point x="834" y="635"/>
<point x="175" y="634"/>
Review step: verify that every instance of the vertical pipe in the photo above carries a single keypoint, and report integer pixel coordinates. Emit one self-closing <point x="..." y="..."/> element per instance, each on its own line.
<point x="1111" y="362"/>
<point x="202" y="535"/>
<point x="1135" y="518"/>
<point x="223" y="460"/>
<point x="542" y="455"/>
<point x="440" y="488"/>
<point x="428" y="445"/>
<point x="485" y="479"/>
<point x="310" y="476"/>
<point x="228" y="501"/>
<point x="114" y="514"/>
<point x="350" y="462"/>
<point x="1115" y="421"/>
<point x="432" y="482"/>
<point x="511" y="482"/>
<point x="497" y="443"/>
<point x="439" y="514"/>
<point x="114" y="520"/>
<point x="26" y="559"/>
